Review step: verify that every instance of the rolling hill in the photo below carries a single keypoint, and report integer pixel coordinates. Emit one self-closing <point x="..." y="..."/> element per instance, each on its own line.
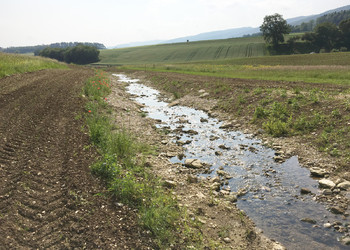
<point x="230" y="33"/>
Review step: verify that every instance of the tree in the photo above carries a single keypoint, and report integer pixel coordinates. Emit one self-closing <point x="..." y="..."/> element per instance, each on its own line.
<point x="82" y="54"/>
<point x="328" y="36"/>
<point x="274" y="28"/>
<point x="344" y="27"/>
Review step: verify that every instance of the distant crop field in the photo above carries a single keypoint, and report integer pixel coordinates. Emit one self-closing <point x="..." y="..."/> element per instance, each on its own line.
<point x="186" y="52"/>
<point x="12" y="64"/>
<point x="312" y="68"/>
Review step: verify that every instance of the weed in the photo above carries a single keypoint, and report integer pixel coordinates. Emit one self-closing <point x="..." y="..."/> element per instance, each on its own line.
<point x="276" y="128"/>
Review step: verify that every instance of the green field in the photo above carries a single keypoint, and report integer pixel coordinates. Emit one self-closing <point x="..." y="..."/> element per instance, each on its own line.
<point x="12" y="64"/>
<point x="186" y="52"/>
<point x="312" y="68"/>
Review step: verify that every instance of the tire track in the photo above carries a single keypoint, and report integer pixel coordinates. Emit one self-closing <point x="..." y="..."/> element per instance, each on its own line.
<point x="46" y="190"/>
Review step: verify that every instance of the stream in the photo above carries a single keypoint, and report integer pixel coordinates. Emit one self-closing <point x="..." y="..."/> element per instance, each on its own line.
<point x="272" y="190"/>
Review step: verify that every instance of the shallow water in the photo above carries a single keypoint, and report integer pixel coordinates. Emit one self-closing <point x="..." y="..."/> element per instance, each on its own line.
<point x="273" y="200"/>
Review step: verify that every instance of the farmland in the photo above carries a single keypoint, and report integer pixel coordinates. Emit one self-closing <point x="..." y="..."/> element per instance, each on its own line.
<point x="311" y="68"/>
<point x="12" y="64"/>
<point x="186" y="52"/>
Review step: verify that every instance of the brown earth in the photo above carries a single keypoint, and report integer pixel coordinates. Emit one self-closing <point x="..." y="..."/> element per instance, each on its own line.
<point x="48" y="198"/>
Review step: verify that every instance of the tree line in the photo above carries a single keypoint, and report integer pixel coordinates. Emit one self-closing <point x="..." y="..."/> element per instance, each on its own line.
<point x="325" y="37"/>
<point x="37" y="48"/>
<point x="80" y="54"/>
<point x="335" y="18"/>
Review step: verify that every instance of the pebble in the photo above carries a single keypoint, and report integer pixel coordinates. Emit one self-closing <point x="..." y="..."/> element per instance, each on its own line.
<point x="227" y="240"/>
<point x="325" y="183"/>
<point x="327" y="225"/>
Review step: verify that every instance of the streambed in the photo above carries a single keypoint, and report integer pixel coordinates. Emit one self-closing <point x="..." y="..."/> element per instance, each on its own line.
<point x="272" y="190"/>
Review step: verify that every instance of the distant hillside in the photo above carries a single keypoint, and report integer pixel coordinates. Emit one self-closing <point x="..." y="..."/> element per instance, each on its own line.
<point x="304" y="19"/>
<point x="186" y="52"/>
<point x="34" y="49"/>
<point x="232" y="33"/>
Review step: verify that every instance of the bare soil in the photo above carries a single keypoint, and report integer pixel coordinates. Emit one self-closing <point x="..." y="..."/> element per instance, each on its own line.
<point x="48" y="198"/>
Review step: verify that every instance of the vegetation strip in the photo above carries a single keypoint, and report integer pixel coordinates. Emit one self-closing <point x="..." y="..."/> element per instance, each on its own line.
<point x="320" y="114"/>
<point x="14" y="64"/>
<point x="126" y="177"/>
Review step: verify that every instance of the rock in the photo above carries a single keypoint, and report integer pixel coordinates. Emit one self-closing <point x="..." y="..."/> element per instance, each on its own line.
<point x="318" y="172"/>
<point x="346" y="240"/>
<point x="280" y="152"/>
<point x="218" y="153"/>
<point x="278" y="158"/>
<point x="344" y="185"/>
<point x="201" y="91"/>
<point x="193" y="163"/>
<point x="224" y="192"/>
<point x="215" y="179"/>
<point x="171" y="154"/>
<point x="227" y="240"/>
<point x="174" y="103"/>
<point x="337" y="210"/>
<point x="203" y="120"/>
<point x="221" y="173"/>
<point x="202" y="221"/>
<point x="305" y="191"/>
<point x="309" y="220"/>
<point x="169" y="184"/>
<point x="222" y="146"/>
<point x="226" y="125"/>
<point x="192" y="179"/>
<point x="215" y="186"/>
<point x="204" y="95"/>
<point x="232" y="198"/>
<point x="327" y="192"/>
<point x="327" y="225"/>
<point x="325" y="183"/>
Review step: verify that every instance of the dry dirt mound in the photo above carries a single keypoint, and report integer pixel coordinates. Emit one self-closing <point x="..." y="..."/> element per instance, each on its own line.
<point x="48" y="198"/>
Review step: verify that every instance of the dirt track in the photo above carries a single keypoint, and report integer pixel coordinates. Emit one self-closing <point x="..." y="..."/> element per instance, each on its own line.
<point x="47" y="195"/>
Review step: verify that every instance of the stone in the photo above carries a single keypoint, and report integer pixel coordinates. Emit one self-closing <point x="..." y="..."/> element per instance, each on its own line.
<point x="204" y="95"/>
<point x="193" y="163"/>
<point x="309" y="220"/>
<point x="221" y="173"/>
<point x="232" y="198"/>
<point x="215" y="179"/>
<point x="346" y="240"/>
<point x="278" y="158"/>
<point x="318" y="172"/>
<point x="337" y="210"/>
<point x="222" y="146"/>
<point x="215" y="186"/>
<point x="227" y="240"/>
<point x="169" y="184"/>
<point x="327" y="225"/>
<point x="174" y="103"/>
<point x="305" y="191"/>
<point x="226" y="125"/>
<point x="192" y="178"/>
<point x="344" y="185"/>
<point x="224" y="192"/>
<point x="325" y="183"/>
<point x="201" y="91"/>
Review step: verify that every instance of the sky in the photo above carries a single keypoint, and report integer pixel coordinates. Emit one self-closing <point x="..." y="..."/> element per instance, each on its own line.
<point x="114" y="22"/>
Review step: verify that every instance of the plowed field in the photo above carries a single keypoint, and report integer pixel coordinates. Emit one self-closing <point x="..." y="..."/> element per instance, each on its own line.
<point x="48" y="198"/>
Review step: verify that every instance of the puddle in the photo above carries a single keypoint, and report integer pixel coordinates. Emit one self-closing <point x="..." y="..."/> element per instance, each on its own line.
<point x="273" y="200"/>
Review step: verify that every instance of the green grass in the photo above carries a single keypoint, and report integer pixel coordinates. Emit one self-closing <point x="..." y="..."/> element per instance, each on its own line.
<point x="311" y="68"/>
<point x="128" y="180"/>
<point x="186" y="52"/>
<point x="13" y="64"/>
